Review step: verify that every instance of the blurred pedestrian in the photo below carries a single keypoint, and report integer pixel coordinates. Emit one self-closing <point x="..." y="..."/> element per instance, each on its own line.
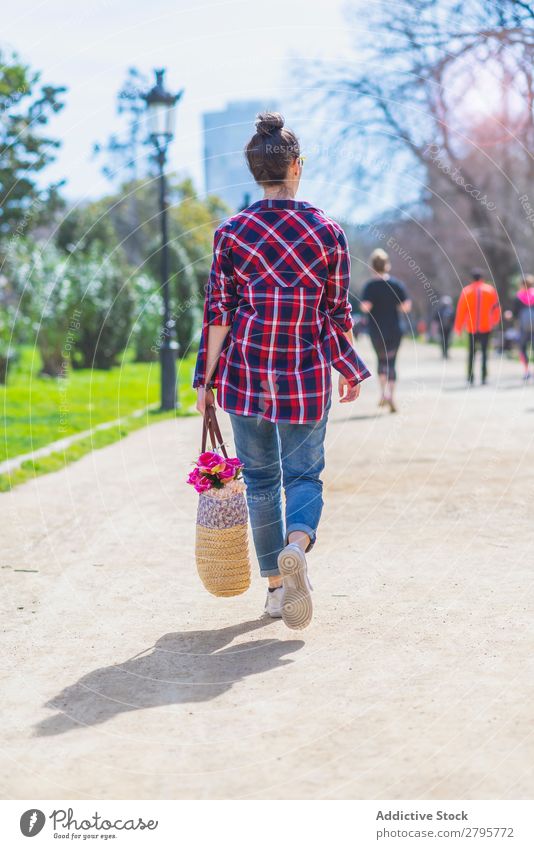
<point x="523" y="312"/>
<point x="444" y="318"/>
<point x="421" y="328"/>
<point x="384" y="299"/>
<point x="478" y="311"/>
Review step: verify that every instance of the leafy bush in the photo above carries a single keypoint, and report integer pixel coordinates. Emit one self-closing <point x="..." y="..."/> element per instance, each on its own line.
<point x="147" y="327"/>
<point x="80" y="307"/>
<point x="103" y="295"/>
<point x="184" y="297"/>
<point x="37" y="274"/>
<point x="7" y="352"/>
<point x="186" y="303"/>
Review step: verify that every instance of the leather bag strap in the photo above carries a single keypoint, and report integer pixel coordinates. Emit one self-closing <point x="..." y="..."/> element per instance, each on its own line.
<point x="210" y="426"/>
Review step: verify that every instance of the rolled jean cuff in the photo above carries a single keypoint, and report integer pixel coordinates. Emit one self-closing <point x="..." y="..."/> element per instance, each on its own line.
<point x="307" y="530"/>
<point x="269" y="573"/>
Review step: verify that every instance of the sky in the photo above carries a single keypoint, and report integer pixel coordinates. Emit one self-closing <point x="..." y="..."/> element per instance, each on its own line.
<point x="216" y="51"/>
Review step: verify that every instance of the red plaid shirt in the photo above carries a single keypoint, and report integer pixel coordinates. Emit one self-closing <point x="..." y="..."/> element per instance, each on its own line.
<point x="280" y="278"/>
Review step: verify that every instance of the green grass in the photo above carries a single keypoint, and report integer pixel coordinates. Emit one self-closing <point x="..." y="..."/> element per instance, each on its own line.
<point x="37" y="411"/>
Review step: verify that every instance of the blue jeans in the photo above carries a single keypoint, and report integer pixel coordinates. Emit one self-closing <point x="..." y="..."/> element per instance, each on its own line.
<point x="276" y="453"/>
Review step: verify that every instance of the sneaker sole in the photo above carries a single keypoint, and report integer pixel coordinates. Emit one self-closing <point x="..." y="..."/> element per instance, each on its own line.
<point x="297" y="607"/>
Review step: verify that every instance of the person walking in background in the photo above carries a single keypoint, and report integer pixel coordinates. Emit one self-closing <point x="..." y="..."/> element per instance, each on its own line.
<point x="384" y="299"/>
<point x="444" y="317"/>
<point x="276" y="319"/>
<point x="478" y="311"/>
<point x="523" y="312"/>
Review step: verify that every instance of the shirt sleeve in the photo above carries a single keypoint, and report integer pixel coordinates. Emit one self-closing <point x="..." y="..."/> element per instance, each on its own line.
<point x="345" y="360"/>
<point x="220" y="302"/>
<point x="337" y="287"/>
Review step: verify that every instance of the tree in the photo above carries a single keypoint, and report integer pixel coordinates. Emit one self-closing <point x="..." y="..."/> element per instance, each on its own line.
<point x="135" y="215"/>
<point x="416" y="94"/>
<point x="146" y="330"/>
<point x="131" y="234"/>
<point x="88" y="225"/>
<point x="185" y="296"/>
<point x="37" y="274"/>
<point x="101" y="281"/>
<point x="26" y="108"/>
<point x="7" y="321"/>
<point x="122" y="150"/>
<point x="102" y="296"/>
<point x="79" y="307"/>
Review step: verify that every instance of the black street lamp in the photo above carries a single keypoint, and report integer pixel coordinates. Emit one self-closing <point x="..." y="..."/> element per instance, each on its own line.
<point x="161" y="114"/>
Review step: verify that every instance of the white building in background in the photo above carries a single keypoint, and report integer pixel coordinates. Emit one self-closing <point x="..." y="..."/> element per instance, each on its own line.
<point x="225" y="136"/>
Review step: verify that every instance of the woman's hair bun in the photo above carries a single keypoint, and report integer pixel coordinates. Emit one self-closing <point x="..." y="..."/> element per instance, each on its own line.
<point x="268" y="123"/>
<point x="271" y="150"/>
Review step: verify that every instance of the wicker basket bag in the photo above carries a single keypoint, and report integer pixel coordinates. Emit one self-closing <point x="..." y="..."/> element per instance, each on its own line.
<point x="221" y="547"/>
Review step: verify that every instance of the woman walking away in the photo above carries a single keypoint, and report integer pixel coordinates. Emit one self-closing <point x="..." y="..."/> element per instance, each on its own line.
<point x="276" y="318"/>
<point x="523" y="312"/>
<point x="384" y="299"/>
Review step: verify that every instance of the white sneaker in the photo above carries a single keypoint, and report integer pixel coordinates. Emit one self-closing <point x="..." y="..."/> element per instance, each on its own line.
<point x="273" y="603"/>
<point x="297" y="607"/>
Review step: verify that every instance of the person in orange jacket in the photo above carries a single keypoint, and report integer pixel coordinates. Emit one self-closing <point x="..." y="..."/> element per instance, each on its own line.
<point x="478" y="311"/>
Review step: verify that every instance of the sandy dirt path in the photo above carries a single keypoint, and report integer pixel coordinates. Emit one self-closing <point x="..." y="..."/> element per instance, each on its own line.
<point x="123" y="679"/>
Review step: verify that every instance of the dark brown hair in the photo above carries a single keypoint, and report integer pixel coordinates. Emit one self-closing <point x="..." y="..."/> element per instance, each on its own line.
<point x="271" y="149"/>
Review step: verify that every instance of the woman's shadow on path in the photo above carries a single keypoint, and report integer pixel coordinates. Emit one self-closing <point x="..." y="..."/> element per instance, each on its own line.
<point x="184" y="667"/>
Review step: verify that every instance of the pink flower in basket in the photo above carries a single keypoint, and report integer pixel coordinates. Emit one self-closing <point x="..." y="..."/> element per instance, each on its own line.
<point x="211" y="463"/>
<point x="232" y="467"/>
<point x="235" y="462"/>
<point x="228" y="473"/>
<point x="199" y="481"/>
<point x="213" y="471"/>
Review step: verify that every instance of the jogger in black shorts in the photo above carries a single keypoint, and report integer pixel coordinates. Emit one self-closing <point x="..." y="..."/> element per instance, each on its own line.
<point x="384" y="298"/>
<point x="386" y="351"/>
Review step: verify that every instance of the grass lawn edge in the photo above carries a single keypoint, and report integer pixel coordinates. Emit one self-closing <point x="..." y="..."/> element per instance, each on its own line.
<point x="98" y="438"/>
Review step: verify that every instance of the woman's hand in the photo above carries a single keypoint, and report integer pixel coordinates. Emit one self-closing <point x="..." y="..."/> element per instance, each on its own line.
<point x="205" y="397"/>
<point x="346" y="391"/>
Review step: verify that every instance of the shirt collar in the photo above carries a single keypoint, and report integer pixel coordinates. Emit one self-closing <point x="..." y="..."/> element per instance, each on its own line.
<point x="280" y="203"/>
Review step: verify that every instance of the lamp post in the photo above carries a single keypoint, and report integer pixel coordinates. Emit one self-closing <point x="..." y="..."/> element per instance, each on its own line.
<point x="161" y="114"/>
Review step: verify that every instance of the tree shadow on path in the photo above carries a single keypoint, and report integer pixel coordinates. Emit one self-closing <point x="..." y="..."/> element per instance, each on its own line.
<point x="183" y="667"/>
